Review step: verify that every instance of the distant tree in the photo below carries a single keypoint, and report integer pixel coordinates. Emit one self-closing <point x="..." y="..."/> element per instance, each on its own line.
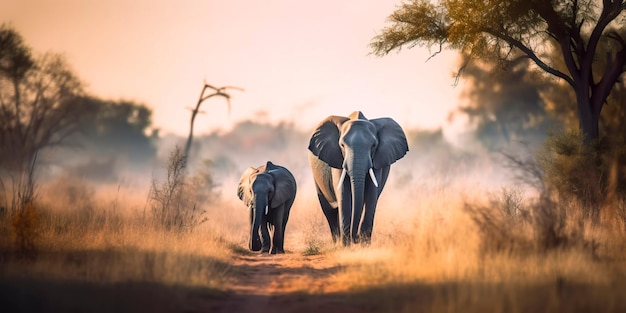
<point x="115" y="127"/>
<point x="505" y="105"/>
<point x="501" y="30"/>
<point x="36" y="110"/>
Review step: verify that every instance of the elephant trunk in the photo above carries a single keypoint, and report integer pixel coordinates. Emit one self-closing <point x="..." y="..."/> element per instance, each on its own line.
<point x="358" y="189"/>
<point x="358" y="174"/>
<point x="256" y="215"/>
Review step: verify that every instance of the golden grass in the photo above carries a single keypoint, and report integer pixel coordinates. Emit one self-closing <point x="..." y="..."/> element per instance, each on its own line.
<point x="437" y="259"/>
<point x="105" y="237"/>
<point x="428" y="254"/>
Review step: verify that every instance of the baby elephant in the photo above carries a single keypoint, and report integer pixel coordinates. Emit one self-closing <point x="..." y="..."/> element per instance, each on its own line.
<point x="269" y="192"/>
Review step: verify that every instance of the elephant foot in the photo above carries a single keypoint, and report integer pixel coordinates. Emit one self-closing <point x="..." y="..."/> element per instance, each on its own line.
<point x="265" y="249"/>
<point x="277" y="251"/>
<point x="365" y="240"/>
<point x="346" y="242"/>
<point x="255" y="245"/>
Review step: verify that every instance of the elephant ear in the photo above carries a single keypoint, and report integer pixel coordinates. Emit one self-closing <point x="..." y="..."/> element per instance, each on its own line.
<point x="392" y="144"/>
<point x="284" y="184"/>
<point x="244" y="190"/>
<point x="324" y="142"/>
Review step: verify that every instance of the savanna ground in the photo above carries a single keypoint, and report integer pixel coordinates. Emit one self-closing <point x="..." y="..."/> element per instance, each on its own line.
<point x="459" y="248"/>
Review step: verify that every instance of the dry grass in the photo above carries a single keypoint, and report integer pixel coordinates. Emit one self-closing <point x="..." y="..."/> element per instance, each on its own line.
<point x="442" y="257"/>
<point x="97" y="242"/>
<point x="446" y="252"/>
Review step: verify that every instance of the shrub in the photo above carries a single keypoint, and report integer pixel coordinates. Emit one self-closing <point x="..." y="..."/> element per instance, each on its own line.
<point x="581" y="172"/>
<point x="500" y="224"/>
<point x="173" y="201"/>
<point x="508" y="224"/>
<point x="25" y="225"/>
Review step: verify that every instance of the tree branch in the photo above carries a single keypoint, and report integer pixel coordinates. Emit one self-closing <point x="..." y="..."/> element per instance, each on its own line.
<point x="614" y="69"/>
<point x="531" y="54"/>
<point x="610" y="10"/>
<point x="219" y="91"/>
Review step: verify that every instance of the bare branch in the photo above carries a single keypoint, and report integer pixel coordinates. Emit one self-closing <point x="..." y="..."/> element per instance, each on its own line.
<point x="219" y="91"/>
<point x="436" y="52"/>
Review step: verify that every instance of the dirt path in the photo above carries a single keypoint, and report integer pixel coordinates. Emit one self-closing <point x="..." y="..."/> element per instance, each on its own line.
<point x="284" y="283"/>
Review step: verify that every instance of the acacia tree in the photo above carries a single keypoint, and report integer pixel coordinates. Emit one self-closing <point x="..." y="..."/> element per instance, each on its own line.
<point x="36" y="111"/>
<point x="500" y="29"/>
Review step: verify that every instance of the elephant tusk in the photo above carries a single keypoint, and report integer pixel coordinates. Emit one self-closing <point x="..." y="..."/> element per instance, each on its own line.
<point x="266" y="209"/>
<point x="341" y="178"/>
<point x="373" y="177"/>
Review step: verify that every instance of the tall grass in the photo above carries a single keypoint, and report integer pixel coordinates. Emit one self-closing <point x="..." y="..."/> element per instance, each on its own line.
<point x="81" y="231"/>
<point x="467" y="250"/>
<point x="439" y="245"/>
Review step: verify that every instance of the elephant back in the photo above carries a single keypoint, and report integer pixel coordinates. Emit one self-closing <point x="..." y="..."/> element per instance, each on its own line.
<point x="284" y="183"/>
<point x="285" y="186"/>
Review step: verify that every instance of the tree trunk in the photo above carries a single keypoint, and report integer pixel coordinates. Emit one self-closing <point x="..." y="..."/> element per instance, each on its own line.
<point x="588" y="119"/>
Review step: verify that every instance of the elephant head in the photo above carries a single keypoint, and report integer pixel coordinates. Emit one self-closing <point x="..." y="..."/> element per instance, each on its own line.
<point x="362" y="150"/>
<point x="262" y="189"/>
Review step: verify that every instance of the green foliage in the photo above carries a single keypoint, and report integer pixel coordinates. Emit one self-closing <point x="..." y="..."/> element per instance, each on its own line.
<point x="582" y="172"/>
<point x="504" y="30"/>
<point x="467" y="25"/>
<point x="416" y="23"/>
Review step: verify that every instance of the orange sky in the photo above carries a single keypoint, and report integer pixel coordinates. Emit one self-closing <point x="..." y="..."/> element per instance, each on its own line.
<point x="303" y="59"/>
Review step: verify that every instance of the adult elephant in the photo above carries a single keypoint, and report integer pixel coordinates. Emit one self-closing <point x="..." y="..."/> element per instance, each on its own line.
<point x="268" y="191"/>
<point x="350" y="158"/>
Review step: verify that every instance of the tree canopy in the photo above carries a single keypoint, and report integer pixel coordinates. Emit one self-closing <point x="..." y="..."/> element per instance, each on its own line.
<point x="43" y="105"/>
<point x="36" y="110"/>
<point x="36" y="95"/>
<point x="534" y="29"/>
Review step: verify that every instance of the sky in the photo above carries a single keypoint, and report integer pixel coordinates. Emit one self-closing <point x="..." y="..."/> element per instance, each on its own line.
<point x="298" y="61"/>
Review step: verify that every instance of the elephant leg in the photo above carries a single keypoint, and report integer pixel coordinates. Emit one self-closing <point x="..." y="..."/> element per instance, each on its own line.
<point x="279" y="231"/>
<point x="287" y="210"/>
<point x="345" y="213"/>
<point x="332" y="216"/>
<point x="367" y="224"/>
<point x="265" y="236"/>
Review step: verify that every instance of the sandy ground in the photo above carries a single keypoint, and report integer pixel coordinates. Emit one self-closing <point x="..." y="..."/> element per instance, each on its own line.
<point x="285" y="283"/>
<point x="255" y="283"/>
<point x="295" y="283"/>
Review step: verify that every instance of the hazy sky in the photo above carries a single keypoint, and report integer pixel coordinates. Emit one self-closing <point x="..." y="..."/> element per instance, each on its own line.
<point x="295" y="59"/>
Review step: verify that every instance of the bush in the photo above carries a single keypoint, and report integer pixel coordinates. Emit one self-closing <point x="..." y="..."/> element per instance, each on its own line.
<point x="25" y="225"/>
<point x="581" y="202"/>
<point x="174" y="201"/>
<point x="582" y="173"/>
<point x="508" y="224"/>
<point x="500" y="224"/>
